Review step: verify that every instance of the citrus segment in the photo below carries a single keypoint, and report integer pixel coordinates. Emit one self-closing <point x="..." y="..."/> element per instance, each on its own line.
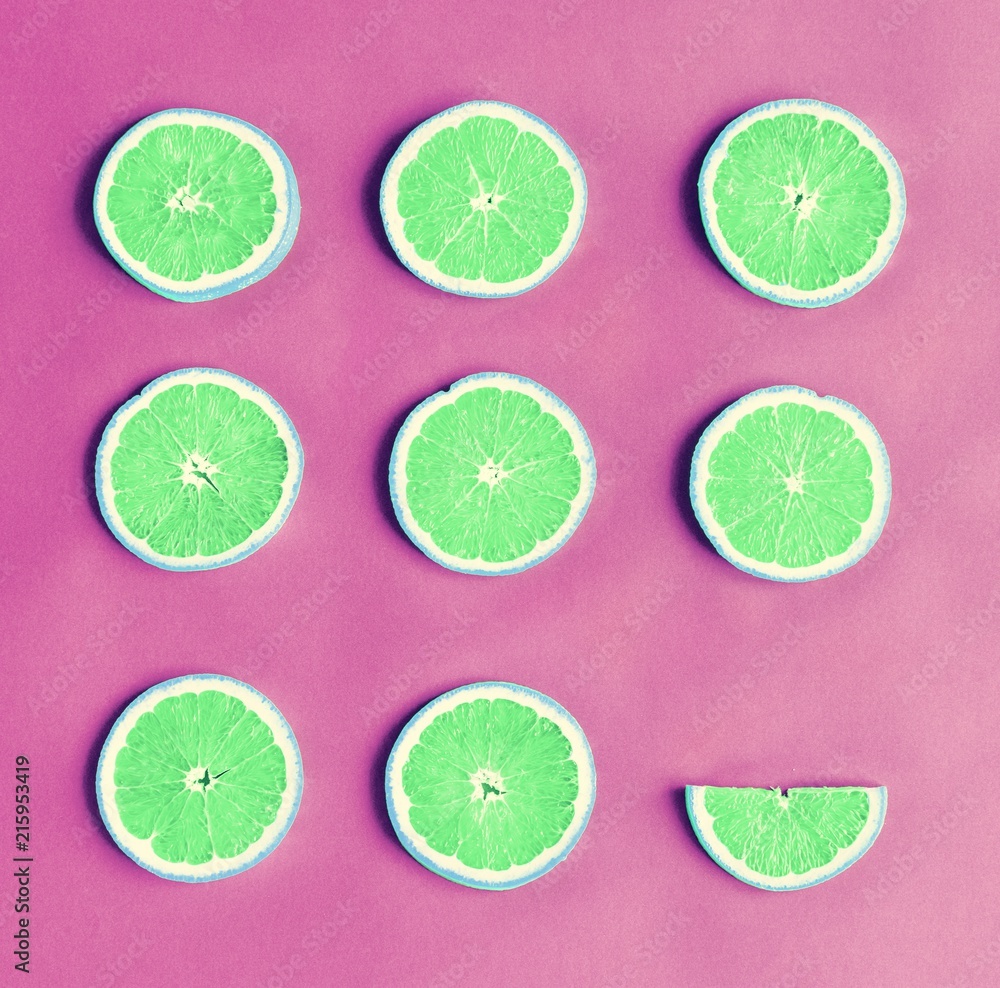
<point x="483" y="199"/>
<point x="195" y="204"/>
<point x="491" y="476"/>
<point x="784" y="841"/>
<point x="490" y="785"/>
<point x="801" y="202"/>
<point x="791" y="486"/>
<point x="199" y="778"/>
<point x="199" y="470"/>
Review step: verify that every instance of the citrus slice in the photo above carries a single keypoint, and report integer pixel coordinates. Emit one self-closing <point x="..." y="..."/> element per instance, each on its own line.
<point x="790" y="486"/>
<point x="198" y="471"/>
<point x="490" y="785"/>
<point x="492" y="475"/>
<point x="195" y="205"/>
<point x="782" y="842"/>
<point x="483" y="199"/>
<point x="200" y="778"/>
<point x="801" y="202"/>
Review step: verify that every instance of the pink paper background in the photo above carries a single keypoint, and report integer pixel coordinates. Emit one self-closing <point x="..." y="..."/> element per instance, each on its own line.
<point x="679" y="667"/>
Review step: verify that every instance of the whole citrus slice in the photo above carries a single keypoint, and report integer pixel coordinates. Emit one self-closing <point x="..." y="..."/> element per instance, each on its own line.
<point x="195" y="204"/>
<point x="491" y="476"/>
<point x="490" y="785"/>
<point x="791" y="486"/>
<point x="199" y="778"/>
<point x="483" y="199"/>
<point x="801" y="202"/>
<point x="198" y="471"/>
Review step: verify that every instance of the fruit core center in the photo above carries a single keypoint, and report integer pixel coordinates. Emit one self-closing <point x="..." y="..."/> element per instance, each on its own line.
<point x="199" y="779"/>
<point x="198" y="471"/>
<point x="491" y="473"/>
<point x="486" y="201"/>
<point x="183" y="200"/>
<point x="802" y="201"/>
<point x="793" y="484"/>
<point x="487" y="786"/>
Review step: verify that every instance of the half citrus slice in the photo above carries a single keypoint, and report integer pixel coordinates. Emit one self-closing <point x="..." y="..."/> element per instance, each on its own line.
<point x="490" y="785"/>
<point x="199" y="779"/>
<point x="195" y="204"/>
<point x="790" y="486"/>
<point x="801" y="202"/>
<point x="198" y="471"/>
<point x="483" y="199"/>
<point x="492" y="475"/>
<point x="784" y="841"/>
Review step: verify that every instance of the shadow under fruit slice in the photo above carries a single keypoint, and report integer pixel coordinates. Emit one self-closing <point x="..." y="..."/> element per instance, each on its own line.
<point x="200" y="778"/>
<point x="490" y="785"/>
<point x="198" y="471"/>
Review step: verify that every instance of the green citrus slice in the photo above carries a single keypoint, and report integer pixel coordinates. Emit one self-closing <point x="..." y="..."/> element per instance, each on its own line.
<point x="490" y="785"/>
<point x="492" y="475"/>
<point x="483" y="199"/>
<point x="199" y="779"/>
<point x="198" y="471"/>
<point x="786" y="841"/>
<point x="196" y="205"/>
<point x="801" y="202"/>
<point x="790" y="486"/>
